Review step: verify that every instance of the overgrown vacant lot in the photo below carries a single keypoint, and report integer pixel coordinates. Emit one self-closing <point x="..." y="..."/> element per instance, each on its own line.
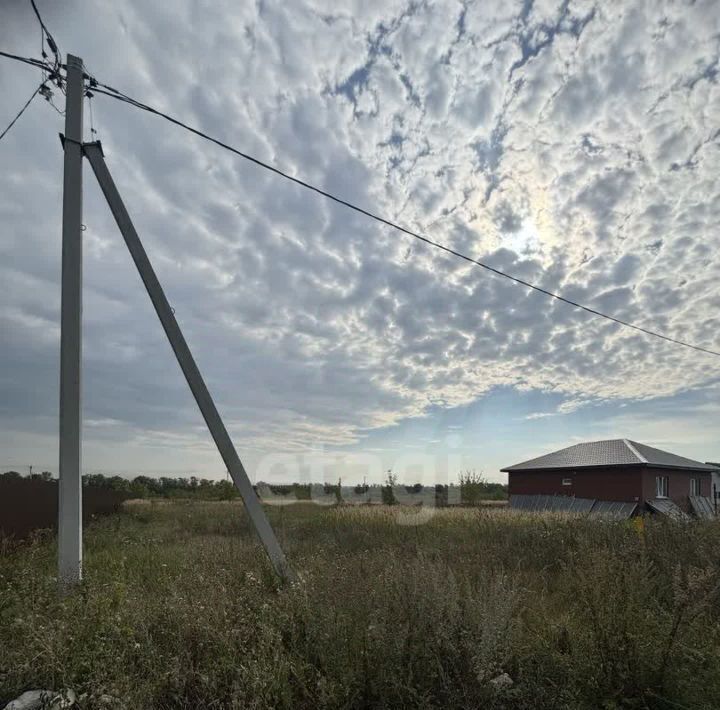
<point x="179" y="609"/>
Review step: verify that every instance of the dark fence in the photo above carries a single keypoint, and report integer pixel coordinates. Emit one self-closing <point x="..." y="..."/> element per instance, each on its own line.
<point x="28" y="504"/>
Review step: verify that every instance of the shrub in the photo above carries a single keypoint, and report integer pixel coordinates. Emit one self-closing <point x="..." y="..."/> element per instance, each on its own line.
<point x="388" y="489"/>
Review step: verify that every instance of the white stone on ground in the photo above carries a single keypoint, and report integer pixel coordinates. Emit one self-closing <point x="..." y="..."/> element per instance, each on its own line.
<point x="43" y="700"/>
<point x="502" y="681"/>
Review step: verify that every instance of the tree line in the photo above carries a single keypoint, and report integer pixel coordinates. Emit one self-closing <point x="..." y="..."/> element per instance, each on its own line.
<point x="471" y="488"/>
<point x="147" y="486"/>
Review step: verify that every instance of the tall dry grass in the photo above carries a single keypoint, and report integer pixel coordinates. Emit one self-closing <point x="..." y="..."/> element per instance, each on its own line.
<point x="394" y="609"/>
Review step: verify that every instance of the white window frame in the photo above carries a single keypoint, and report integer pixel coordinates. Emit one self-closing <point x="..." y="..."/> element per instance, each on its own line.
<point x="662" y="486"/>
<point x="694" y="486"/>
<point x="567" y="481"/>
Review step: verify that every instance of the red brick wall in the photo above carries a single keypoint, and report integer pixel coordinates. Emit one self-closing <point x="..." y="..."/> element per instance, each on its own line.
<point x="678" y="484"/>
<point x="632" y="484"/>
<point x="621" y="484"/>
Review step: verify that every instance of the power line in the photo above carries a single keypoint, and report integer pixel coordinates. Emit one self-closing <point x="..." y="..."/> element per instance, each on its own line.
<point x="48" y="37"/>
<point x="53" y="76"/>
<point x="114" y="93"/>
<point x="37" y="63"/>
<point x="20" y="113"/>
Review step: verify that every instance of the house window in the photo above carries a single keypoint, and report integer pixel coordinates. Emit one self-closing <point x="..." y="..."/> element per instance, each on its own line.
<point x="567" y="481"/>
<point x="661" y="486"/>
<point x="694" y="486"/>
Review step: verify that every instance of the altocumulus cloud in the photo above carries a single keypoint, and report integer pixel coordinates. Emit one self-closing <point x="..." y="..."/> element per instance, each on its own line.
<point x="574" y="144"/>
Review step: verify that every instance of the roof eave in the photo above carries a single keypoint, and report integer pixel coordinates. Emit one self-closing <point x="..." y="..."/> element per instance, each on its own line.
<point x="512" y="469"/>
<point x="639" y="464"/>
<point x="700" y="469"/>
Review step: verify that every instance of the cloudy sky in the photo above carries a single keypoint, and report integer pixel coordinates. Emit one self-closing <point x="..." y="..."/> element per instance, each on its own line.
<point x="572" y="144"/>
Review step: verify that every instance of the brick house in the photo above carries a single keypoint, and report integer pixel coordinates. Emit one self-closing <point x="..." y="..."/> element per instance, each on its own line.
<point x="613" y="470"/>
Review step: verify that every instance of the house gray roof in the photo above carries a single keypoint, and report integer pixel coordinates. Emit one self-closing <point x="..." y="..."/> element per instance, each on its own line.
<point x="612" y="452"/>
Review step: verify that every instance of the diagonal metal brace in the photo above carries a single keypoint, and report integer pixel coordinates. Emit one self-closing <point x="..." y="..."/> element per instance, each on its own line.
<point x="93" y="152"/>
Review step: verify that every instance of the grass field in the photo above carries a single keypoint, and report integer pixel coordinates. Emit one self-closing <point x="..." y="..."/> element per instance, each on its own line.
<point x="180" y="610"/>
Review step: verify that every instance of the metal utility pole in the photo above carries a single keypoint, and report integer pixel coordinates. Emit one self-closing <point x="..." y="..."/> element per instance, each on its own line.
<point x="197" y="385"/>
<point x="70" y="485"/>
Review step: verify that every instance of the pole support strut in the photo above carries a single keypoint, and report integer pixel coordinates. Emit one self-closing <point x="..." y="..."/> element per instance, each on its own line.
<point x="94" y="153"/>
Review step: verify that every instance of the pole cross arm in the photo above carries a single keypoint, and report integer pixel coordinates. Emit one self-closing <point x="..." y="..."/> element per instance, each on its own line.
<point x="93" y="151"/>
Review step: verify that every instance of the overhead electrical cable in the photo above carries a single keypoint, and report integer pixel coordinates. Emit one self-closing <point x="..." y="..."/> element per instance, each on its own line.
<point x="37" y="63"/>
<point x="48" y="37"/>
<point x="21" y="112"/>
<point x="114" y="93"/>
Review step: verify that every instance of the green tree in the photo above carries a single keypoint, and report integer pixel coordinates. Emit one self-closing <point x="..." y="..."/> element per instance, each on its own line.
<point x="472" y="487"/>
<point x="138" y="489"/>
<point x="225" y="490"/>
<point x="118" y="483"/>
<point x="388" y="489"/>
<point x="153" y="485"/>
